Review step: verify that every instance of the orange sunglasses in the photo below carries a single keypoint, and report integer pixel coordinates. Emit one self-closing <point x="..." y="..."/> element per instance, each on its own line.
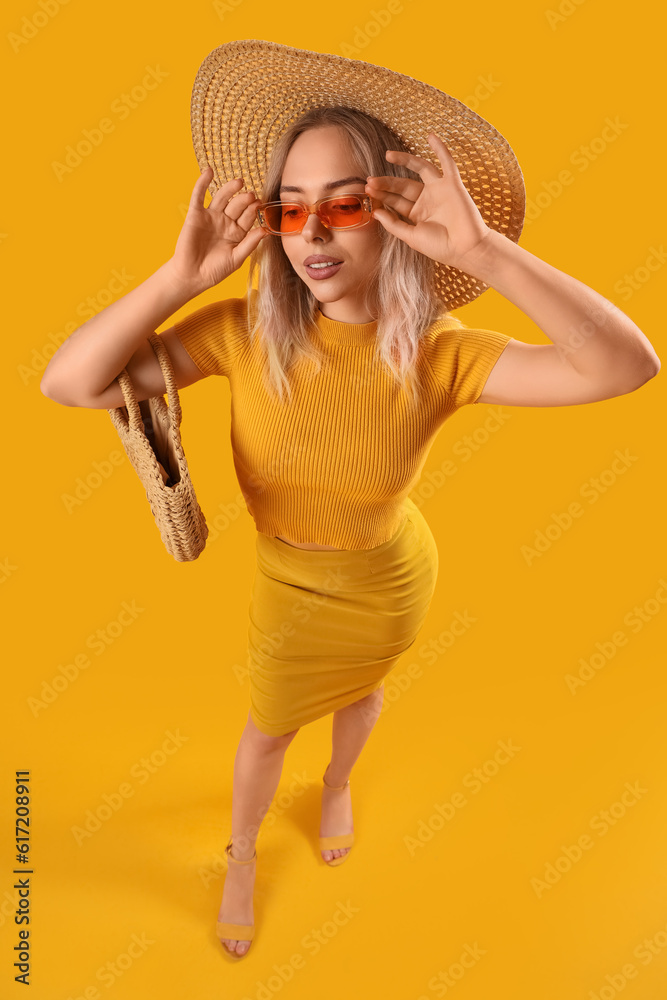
<point x="345" y="211"/>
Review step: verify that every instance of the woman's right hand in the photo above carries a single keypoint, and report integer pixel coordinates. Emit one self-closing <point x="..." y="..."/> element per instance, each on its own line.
<point x="215" y="241"/>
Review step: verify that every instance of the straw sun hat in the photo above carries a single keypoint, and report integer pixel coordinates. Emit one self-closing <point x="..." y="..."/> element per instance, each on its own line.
<point x="247" y="92"/>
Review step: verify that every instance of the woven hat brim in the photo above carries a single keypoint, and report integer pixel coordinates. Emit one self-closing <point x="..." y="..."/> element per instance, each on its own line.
<point x="247" y="92"/>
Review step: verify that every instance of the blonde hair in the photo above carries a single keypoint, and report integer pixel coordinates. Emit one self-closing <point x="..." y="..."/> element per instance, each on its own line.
<point x="283" y="310"/>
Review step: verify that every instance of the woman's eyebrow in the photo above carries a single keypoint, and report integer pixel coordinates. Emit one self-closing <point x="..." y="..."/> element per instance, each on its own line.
<point x="327" y="187"/>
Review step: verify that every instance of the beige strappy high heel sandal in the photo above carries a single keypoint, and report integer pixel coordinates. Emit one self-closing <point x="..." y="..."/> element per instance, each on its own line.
<point x="235" y="932"/>
<point x="339" y="841"/>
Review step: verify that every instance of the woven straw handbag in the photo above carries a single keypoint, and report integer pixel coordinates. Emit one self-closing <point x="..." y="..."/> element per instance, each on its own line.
<point x="150" y="434"/>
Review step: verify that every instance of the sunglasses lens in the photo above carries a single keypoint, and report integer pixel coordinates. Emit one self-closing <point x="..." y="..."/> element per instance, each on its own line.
<point x="337" y="213"/>
<point x="341" y="213"/>
<point x="285" y="218"/>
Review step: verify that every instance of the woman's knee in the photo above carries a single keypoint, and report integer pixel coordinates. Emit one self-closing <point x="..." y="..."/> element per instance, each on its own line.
<point x="374" y="696"/>
<point x="368" y="708"/>
<point x="264" y="741"/>
<point x="375" y="699"/>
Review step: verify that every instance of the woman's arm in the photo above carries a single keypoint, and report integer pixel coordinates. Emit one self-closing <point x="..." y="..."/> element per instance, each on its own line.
<point x="213" y="243"/>
<point x="91" y="357"/>
<point x="597" y="352"/>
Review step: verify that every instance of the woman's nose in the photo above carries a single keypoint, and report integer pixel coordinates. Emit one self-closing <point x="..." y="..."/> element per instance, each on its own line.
<point x="314" y="227"/>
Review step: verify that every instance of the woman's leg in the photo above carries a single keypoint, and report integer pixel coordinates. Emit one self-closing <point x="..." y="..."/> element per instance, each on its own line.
<point x="257" y="769"/>
<point x="352" y="726"/>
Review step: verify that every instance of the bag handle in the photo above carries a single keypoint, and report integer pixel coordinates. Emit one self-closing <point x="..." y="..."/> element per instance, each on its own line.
<point x="135" y="419"/>
<point x="169" y="376"/>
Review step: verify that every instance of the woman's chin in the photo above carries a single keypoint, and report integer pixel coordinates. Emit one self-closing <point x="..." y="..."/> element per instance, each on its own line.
<point x="323" y="294"/>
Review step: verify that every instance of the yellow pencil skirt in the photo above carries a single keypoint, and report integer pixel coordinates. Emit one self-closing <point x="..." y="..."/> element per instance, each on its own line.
<point x="327" y="626"/>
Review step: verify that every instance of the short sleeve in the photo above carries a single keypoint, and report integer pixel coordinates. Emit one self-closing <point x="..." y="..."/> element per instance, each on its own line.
<point x="461" y="358"/>
<point x="214" y="335"/>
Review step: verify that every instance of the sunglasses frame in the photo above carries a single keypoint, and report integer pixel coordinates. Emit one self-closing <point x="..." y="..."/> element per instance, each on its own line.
<point x="367" y="206"/>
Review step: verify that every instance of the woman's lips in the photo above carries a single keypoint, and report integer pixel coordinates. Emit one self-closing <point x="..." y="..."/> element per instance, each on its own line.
<point x="323" y="272"/>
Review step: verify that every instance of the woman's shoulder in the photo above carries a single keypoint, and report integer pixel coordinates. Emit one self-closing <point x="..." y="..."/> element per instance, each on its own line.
<point x="215" y="334"/>
<point x="448" y="329"/>
<point x="461" y="356"/>
<point x="441" y="326"/>
<point x="231" y="310"/>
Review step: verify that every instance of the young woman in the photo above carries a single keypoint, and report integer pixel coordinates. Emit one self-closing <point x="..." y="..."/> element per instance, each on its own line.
<point x="341" y="376"/>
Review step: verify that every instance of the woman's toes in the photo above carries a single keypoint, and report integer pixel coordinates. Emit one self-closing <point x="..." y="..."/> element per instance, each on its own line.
<point x="236" y="947"/>
<point x="337" y="852"/>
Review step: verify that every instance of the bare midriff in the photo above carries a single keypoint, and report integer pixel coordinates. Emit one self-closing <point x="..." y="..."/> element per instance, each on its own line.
<point x="308" y="545"/>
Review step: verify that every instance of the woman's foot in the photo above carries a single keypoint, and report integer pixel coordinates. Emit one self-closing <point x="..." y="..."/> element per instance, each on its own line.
<point x="236" y="906"/>
<point x="336" y="814"/>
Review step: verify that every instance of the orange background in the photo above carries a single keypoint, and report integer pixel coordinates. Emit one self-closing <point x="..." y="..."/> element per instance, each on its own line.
<point x="516" y="870"/>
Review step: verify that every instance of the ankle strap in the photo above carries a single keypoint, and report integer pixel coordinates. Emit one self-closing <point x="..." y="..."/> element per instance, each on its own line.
<point x="230" y="856"/>
<point x="334" y="786"/>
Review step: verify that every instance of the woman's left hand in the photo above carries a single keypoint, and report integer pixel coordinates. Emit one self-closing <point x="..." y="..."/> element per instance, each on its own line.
<point x="443" y="220"/>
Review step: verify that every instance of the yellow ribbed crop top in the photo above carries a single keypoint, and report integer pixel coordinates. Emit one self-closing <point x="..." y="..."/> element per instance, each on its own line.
<point x="334" y="465"/>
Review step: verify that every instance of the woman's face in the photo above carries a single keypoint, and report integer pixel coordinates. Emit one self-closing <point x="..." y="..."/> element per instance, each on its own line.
<point x="317" y="158"/>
